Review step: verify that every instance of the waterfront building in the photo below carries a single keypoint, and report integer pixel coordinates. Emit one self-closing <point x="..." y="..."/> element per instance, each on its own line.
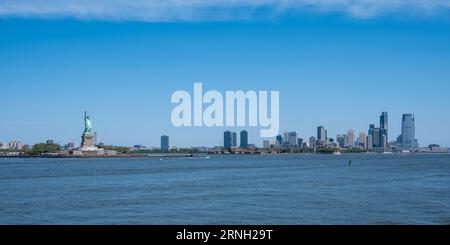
<point x="15" y="145"/>
<point x="369" y="142"/>
<point x="370" y="133"/>
<point x="408" y="132"/>
<point x="269" y="143"/>
<point x="70" y="146"/>
<point x="227" y="139"/>
<point x="375" y="133"/>
<point x="383" y="142"/>
<point x="164" y="143"/>
<point x="285" y="138"/>
<point x="376" y="137"/>
<point x="350" y="139"/>
<point x="300" y="142"/>
<point x="434" y="148"/>
<point x="399" y="140"/>
<point x="292" y="139"/>
<point x="312" y="141"/>
<point x="340" y="139"/>
<point x="362" y="139"/>
<point x="139" y="147"/>
<point x="380" y="137"/>
<point x="321" y="134"/>
<point x="279" y="139"/>
<point x="384" y="129"/>
<point x="244" y="139"/>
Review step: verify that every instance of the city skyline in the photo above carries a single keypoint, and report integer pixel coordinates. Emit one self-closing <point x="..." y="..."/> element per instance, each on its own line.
<point x="376" y="138"/>
<point x="330" y="68"/>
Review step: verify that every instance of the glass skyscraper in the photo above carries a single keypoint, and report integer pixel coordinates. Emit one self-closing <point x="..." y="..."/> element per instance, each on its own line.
<point x="279" y="139"/>
<point x="408" y="131"/>
<point x="375" y="134"/>
<point x="227" y="139"/>
<point x="350" y="139"/>
<point x="244" y="139"/>
<point x="164" y="143"/>
<point x="321" y="134"/>
<point x="292" y="138"/>
<point x="384" y="139"/>
<point x="379" y="136"/>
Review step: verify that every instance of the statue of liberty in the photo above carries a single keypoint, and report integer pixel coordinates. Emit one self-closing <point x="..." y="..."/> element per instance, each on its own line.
<point x="88" y="139"/>
<point x="87" y="123"/>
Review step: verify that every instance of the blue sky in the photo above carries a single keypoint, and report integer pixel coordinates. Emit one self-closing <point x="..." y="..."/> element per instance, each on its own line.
<point x="335" y="65"/>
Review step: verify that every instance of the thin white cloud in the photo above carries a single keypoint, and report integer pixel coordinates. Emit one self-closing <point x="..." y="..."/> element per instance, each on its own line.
<point x="194" y="10"/>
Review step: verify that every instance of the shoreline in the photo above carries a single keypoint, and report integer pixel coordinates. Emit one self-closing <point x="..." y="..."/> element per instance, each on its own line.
<point x="105" y="156"/>
<point x="188" y="155"/>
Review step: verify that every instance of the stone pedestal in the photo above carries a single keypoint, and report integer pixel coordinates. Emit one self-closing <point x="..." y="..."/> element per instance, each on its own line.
<point x="87" y="142"/>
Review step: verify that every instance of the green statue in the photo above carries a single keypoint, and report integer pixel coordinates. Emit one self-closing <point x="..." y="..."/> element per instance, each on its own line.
<point x="87" y="123"/>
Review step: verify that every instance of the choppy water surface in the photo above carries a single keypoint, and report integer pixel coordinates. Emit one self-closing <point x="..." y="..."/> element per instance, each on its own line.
<point x="281" y="189"/>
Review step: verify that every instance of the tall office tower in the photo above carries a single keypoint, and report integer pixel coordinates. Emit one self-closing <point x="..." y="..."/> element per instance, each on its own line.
<point x="350" y="138"/>
<point x="376" y="134"/>
<point x="340" y="139"/>
<point x="227" y="139"/>
<point x="371" y="127"/>
<point x="312" y="141"/>
<point x="362" y="139"/>
<point x="244" y="139"/>
<point x="408" y="131"/>
<point x="285" y="138"/>
<point x="384" y="128"/>
<point x="279" y="139"/>
<point x="300" y="142"/>
<point x="292" y="138"/>
<point x="321" y="134"/>
<point x="376" y="137"/>
<point x="384" y="142"/>
<point x="369" y="142"/>
<point x="233" y="139"/>
<point x="164" y="143"/>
